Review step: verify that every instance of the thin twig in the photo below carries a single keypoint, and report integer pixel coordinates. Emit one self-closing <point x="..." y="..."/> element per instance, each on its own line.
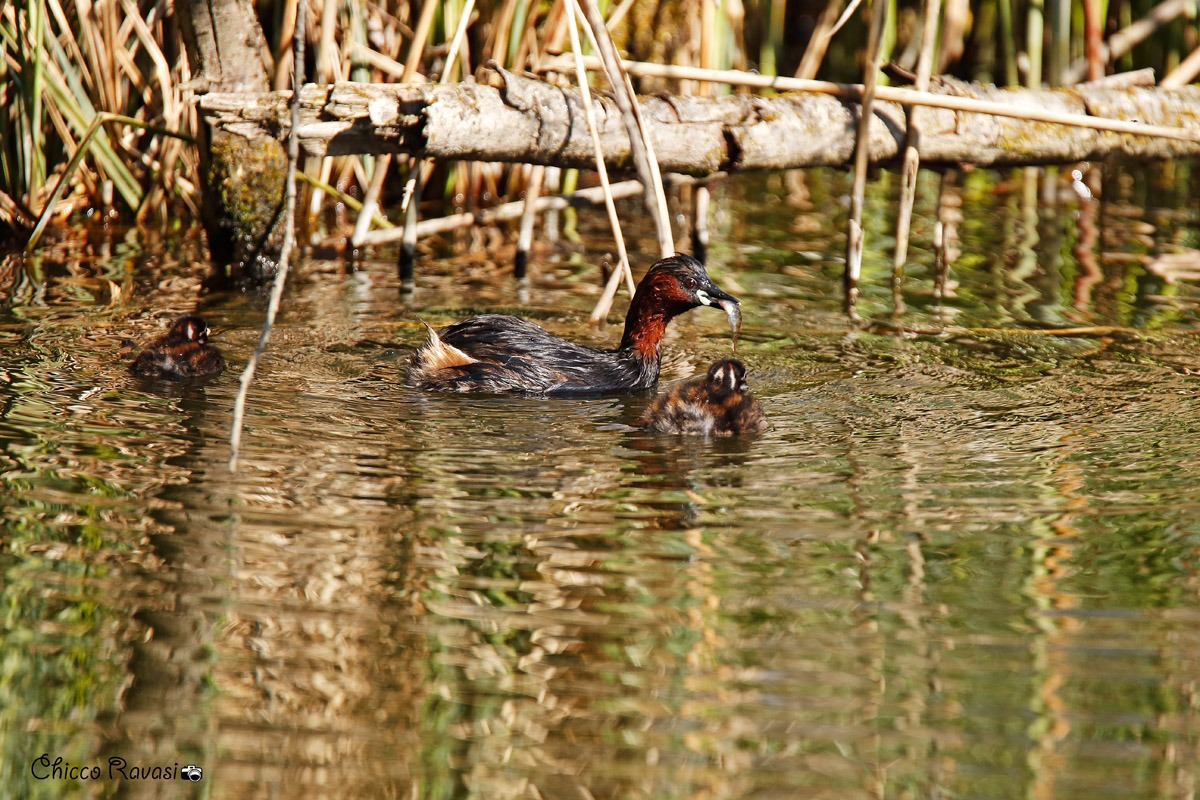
<point x="892" y="94"/>
<point x="289" y="238"/>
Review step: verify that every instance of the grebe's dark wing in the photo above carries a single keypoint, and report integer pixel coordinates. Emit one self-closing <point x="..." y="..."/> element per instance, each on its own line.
<point x="499" y="353"/>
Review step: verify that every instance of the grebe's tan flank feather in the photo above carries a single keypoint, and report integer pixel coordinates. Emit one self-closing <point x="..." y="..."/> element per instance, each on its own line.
<point x="436" y="354"/>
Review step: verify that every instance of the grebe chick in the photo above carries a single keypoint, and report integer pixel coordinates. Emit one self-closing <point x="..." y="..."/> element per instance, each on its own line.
<point x="716" y="404"/>
<point x="182" y="352"/>
<point x="503" y="354"/>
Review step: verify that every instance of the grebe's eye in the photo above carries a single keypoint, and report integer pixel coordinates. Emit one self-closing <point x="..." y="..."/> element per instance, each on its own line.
<point x="691" y="283"/>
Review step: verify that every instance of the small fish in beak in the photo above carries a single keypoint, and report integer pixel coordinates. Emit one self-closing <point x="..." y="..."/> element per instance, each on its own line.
<point x="733" y="310"/>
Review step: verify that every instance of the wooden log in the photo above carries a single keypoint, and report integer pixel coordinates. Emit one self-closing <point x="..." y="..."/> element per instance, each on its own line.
<point x="528" y="121"/>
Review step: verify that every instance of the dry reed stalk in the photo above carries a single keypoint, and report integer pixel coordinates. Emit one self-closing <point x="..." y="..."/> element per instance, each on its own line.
<point x="892" y="94"/>
<point x="85" y="141"/>
<point x="418" y="173"/>
<point x="623" y="269"/>
<point x="500" y="29"/>
<point x="328" y="64"/>
<point x="72" y="112"/>
<point x="551" y="185"/>
<point x="941" y="237"/>
<point x="324" y="165"/>
<point x="1132" y="35"/>
<point x="412" y="186"/>
<point x="1035" y="27"/>
<point x="352" y="203"/>
<point x="1093" y="39"/>
<point x="845" y="17"/>
<point x="640" y="145"/>
<point x="818" y="42"/>
<point x="385" y="65"/>
<point x="618" y="14"/>
<point x="701" y="196"/>
<point x="912" y="154"/>
<point x="283" y="55"/>
<point x="1183" y="74"/>
<point x="528" y="43"/>
<point x="408" y="233"/>
<point x="854" y="233"/>
<point x="1123" y="80"/>
<point x="162" y="161"/>
<point x="289" y="240"/>
<point x="458" y="42"/>
<point x="416" y="48"/>
<point x="370" y="202"/>
<point x="506" y="211"/>
<point x="537" y="175"/>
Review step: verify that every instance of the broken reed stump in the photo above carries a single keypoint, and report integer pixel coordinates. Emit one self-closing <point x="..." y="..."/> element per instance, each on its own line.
<point x="528" y="121"/>
<point x="241" y="177"/>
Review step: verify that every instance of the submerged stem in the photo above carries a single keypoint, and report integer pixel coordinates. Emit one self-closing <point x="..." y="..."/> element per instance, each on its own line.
<point x="289" y="239"/>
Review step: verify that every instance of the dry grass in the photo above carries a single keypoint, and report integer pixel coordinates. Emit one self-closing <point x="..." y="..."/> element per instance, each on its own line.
<point x="64" y="62"/>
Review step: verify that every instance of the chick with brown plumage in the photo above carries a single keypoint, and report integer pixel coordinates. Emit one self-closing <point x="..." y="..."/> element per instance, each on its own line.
<point x="716" y="404"/>
<point x="181" y="353"/>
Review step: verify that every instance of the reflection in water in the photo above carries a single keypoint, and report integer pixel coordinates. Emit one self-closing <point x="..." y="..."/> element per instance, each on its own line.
<point x="960" y="566"/>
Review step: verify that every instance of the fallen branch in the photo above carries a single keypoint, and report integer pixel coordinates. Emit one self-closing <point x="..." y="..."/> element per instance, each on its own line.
<point x="529" y="121"/>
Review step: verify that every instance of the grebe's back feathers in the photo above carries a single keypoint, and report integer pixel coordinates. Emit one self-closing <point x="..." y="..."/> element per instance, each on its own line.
<point x="513" y="355"/>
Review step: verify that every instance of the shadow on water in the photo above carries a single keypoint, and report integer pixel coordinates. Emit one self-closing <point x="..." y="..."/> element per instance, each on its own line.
<point x="958" y="564"/>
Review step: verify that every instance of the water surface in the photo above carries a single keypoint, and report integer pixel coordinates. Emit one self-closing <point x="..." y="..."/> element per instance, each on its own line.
<point x="960" y="564"/>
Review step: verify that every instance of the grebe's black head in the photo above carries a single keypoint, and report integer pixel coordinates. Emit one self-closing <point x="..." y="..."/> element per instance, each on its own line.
<point x="727" y="376"/>
<point x="188" y="328"/>
<point x="681" y="282"/>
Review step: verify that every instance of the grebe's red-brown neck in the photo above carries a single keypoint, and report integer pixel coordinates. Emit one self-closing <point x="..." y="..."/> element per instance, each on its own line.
<point x="671" y="287"/>
<point x="646" y="323"/>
